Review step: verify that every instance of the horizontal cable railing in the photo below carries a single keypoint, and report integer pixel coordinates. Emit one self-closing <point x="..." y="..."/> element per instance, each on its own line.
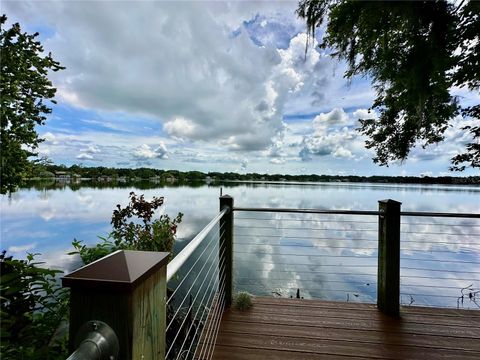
<point x="440" y="263"/>
<point x="323" y="254"/>
<point x="332" y="254"/>
<point x="196" y="285"/>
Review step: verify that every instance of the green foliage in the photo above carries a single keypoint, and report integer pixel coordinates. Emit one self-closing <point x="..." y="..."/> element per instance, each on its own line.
<point x="414" y="52"/>
<point x="243" y="301"/>
<point x="156" y="235"/>
<point x="142" y="234"/>
<point x="33" y="305"/>
<point x="23" y="91"/>
<point x="90" y="254"/>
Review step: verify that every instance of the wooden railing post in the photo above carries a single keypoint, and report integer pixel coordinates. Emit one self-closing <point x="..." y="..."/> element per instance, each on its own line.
<point x="388" y="282"/>
<point x="226" y="247"/>
<point x="127" y="291"/>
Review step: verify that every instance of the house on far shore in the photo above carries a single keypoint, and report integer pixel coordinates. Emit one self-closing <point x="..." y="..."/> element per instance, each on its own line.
<point x="104" y="178"/>
<point x="62" y="175"/>
<point x="169" y="178"/>
<point x="76" y="178"/>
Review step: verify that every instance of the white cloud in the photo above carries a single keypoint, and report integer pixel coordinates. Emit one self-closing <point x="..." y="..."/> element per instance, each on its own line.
<point x="333" y="118"/>
<point x="277" y="161"/>
<point x="365" y="114"/>
<point x="21" y="248"/>
<point x="84" y="156"/>
<point x="49" y="138"/>
<point x="334" y="134"/>
<point x="193" y="65"/>
<point x="92" y="150"/>
<point x="145" y="152"/>
<point x="181" y="128"/>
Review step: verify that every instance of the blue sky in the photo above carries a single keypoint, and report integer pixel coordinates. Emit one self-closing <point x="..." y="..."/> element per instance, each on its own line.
<point x="209" y="86"/>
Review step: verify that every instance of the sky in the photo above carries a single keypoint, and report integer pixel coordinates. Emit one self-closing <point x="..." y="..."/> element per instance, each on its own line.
<point x="208" y="86"/>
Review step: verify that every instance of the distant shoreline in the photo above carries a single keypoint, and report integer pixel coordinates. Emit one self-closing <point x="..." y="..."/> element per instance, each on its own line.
<point x="98" y="175"/>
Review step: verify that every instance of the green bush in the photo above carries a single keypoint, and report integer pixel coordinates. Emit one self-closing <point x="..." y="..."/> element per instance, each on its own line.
<point x="33" y="305"/>
<point x="134" y="229"/>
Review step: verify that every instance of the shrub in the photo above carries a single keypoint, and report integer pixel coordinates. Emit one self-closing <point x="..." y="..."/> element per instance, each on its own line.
<point x="32" y="306"/>
<point x="127" y="234"/>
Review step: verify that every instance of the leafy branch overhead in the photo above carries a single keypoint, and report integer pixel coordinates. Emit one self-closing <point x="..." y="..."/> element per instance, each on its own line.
<point x="414" y="52"/>
<point x="24" y="90"/>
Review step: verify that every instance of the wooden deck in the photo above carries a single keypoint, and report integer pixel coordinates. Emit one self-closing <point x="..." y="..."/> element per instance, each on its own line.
<point x="309" y="329"/>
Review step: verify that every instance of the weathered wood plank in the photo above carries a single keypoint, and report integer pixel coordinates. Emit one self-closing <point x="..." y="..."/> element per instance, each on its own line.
<point x="364" y="307"/>
<point x="238" y="353"/>
<point x="373" y="314"/>
<point x="341" y="347"/>
<point x="305" y="329"/>
<point x="363" y="324"/>
<point x="367" y="337"/>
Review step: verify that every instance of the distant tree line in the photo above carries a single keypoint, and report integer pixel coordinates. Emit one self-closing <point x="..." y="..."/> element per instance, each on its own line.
<point x="45" y="170"/>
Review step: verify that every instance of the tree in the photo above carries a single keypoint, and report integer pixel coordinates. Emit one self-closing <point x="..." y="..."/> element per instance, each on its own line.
<point x="24" y="91"/>
<point x="414" y="52"/>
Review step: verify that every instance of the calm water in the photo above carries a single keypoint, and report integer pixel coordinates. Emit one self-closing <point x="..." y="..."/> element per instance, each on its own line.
<point x="323" y="256"/>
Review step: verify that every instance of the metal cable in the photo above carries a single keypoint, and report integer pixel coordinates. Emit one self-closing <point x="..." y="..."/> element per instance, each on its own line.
<point x="443" y="261"/>
<point x="311" y="264"/>
<point x="437" y="233"/>
<point x="216" y="332"/>
<point x="301" y="237"/>
<point x="309" y="220"/>
<point x="430" y="286"/>
<point x="439" y="224"/>
<point x="303" y="228"/>
<point x="191" y="268"/>
<point x="210" y="323"/>
<point x="440" y="270"/>
<point x="309" y="280"/>
<point x="307" y="246"/>
<point x="433" y="278"/>
<point x="362" y="291"/>
<point x="216" y="323"/>
<point x="308" y="255"/>
<point x="437" y="242"/>
<point x="183" y="322"/>
<point x="201" y="317"/>
<point x="432" y="295"/>
<point x="198" y="309"/>
<point x="315" y="272"/>
<point x="191" y="287"/>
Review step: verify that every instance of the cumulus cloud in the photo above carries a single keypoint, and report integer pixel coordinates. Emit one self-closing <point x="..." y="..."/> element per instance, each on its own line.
<point x="84" y="156"/>
<point x="145" y="152"/>
<point x="334" y="134"/>
<point x="335" y="117"/>
<point x="212" y="72"/>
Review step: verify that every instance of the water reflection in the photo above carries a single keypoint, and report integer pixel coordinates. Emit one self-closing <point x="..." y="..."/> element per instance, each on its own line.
<point x="335" y="257"/>
<point x="331" y="257"/>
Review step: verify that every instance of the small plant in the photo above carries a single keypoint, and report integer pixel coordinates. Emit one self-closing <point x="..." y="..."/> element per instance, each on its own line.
<point x="243" y="301"/>
<point x="134" y="229"/>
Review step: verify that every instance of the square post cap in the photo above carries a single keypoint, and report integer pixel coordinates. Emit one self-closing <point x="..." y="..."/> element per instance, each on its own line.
<point x="122" y="270"/>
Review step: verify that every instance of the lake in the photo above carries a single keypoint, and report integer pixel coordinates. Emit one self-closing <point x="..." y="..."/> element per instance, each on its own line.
<point x="321" y="256"/>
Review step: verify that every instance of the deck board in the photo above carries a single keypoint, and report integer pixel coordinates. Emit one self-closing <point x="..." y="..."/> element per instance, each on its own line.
<point x="309" y="329"/>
